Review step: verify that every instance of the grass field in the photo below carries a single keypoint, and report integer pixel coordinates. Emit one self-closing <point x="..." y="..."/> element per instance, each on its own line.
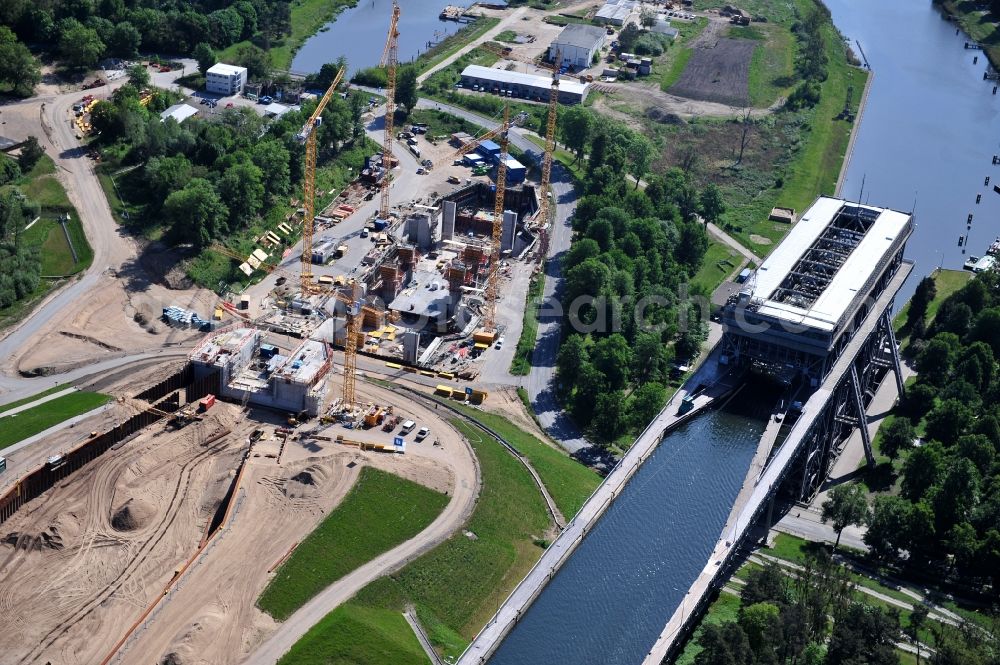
<point x="20" y="426"/>
<point x="725" y="608"/>
<point x="456" y="586"/>
<point x="676" y="57"/>
<point x="521" y="363"/>
<point x="978" y="24"/>
<point x="948" y="282"/>
<point x="440" y="123"/>
<point x="568" y="481"/>
<point x="454" y="42"/>
<point x="380" y="512"/>
<point x="771" y="68"/>
<point x="26" y="400"/>
<point x="719" y="263"/>
<point x="346" y="636"/>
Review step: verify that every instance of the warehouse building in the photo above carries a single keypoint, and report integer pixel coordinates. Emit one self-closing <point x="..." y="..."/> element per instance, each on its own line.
<point x="577" y="45"/>
<point x="616" y="12"/>
<point x="526" y="86"/>
<point x="223" y="79"/>
<point x="179" y="112"/>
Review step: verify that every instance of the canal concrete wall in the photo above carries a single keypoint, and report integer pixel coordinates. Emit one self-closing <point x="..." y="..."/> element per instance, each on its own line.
<point x="854" y="133"/>
<point x="707" y="385"/>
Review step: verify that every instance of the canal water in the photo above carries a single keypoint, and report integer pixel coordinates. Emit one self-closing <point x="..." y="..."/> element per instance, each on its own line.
<point x="929" y="131"/>
<point x="609" y="602"/>
<point x="359" y="34"/>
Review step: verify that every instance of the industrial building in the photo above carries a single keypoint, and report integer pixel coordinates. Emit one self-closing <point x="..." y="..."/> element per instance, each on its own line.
<point x="254" y="372"/>
<point x="527" y="86"/>
<point x="179" y="112"/>
<point x="577" y="45"/>
<point x="616" y="12"/>
<point x="802" y="306"/>
<point x="223" y="79"/>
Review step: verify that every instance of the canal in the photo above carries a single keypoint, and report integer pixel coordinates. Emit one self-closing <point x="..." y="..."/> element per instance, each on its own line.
<point x="359" y="34"/>
<point x="929" y="132"/>
<point x="609" y="602"/>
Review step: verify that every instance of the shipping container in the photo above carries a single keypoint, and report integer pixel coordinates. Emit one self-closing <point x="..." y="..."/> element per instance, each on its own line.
<point x="207" y="402"/>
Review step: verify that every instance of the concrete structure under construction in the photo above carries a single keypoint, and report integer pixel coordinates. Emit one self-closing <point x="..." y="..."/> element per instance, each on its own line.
<point x="255" y="372"/>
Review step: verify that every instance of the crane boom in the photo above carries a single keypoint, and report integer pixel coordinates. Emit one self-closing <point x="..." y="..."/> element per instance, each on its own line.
<point x="308" y="134"/>
<point x="389" y="61"/>
<point x="550" y="145"/>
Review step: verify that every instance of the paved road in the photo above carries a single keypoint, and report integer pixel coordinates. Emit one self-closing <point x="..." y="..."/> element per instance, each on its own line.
<point x="112" y="247"/>
<point x="504" y="23"/>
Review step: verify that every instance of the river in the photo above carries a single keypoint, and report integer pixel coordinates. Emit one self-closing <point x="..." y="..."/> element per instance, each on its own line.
<point x="359" y="34"/>
<point x="929" y="131"/>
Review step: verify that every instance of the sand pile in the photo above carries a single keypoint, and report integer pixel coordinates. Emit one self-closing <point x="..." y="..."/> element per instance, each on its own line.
<point x="135" y="514"/>
<point x="306" y="483"/>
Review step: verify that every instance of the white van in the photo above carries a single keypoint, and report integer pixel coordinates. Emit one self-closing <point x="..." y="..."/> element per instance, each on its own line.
<point x="407" y="427"/>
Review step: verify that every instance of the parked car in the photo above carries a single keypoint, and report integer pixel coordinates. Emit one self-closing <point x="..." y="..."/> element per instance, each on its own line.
<point x="266" y="99"/>
<point x="422" y="433"/>
<point x="229" y="105"/>
<point x="499" y="344"/>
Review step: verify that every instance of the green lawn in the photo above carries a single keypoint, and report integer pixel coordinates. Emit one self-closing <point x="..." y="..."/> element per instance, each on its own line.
<point x="568" y="481"/>
<point x="26" y="400"/>
<point x="456" y="586"/>
<point x="507" y="36"/>
<point x="355" y="633"/>
<point x="725" y="608"/>
<point x="771" y="67"/>
<point x="27" y="423"/>
<point x="440" y="123"/>
<point x="521" y="364"/>
<point x="381" y="511"/>
<point x="308" y="16"/>
<point x="948" y="282"/>
<point x="719" y="262"/>
<point x="673" y="70"/>
<point x="676" y="57"/>
<point x="452" y="43"/>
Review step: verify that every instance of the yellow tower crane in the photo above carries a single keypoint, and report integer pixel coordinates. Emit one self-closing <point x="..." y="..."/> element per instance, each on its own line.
<point x="308" y="136"/>
<point x="493" y="279"/>
<point x="389" y="61"/>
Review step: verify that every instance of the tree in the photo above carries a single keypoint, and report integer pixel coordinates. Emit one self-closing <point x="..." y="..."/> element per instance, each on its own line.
<point x="645" y="403"/>
<point x="651" y="358"/>
<point x="922" y="470"/>
<point x="844" y="506"/>
<point x="897" y="437"/>
<point x="31" y="152"/>
<point x="712" y="205"/>
<point x="887" y="526"/>
<point x="612" y="356"/>
<point x="242" y="191"/>
<point x="958" y="495"/>
<point x="9" y="171"/>
<point x="766" y="585"/>
<point x="647" y="18"/>
<point x="986" y="328"/>
<point x="761" y="622"/>
<point x="947" y="421"/>
<point x="226" y="26"/>
<point x="138" y="76"/>
<point x="205" y="56"/>
<point x="922" y="297"/>
<point x="723" y="644"/>
<point x="609" y="417"/>
<point x="406" y="88"/>
<point x="165" y="175"/>
<point x="919" y="400"/>
<point x="80" y="46"/>
<point x="864" y="635"/>
<point x="572" y="357"/>
<point x="196" y="213"/>
<point x="18" y="68"/>
<point x="918" y="617"/>
<point x="576" y="125"/>
<point x="640" y="152"/>
<point x="272" y="157"/>
<point x="935" y="361"/>
<point x="124" y="40"/>
<point x="746" y="127"/>
<point x="590" y="386"/>
<point x="256" y="60"/>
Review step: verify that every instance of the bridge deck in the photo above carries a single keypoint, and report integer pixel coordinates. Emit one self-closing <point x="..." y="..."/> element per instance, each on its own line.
<point x="490" y="637"/>
<point x="749" y="503"/>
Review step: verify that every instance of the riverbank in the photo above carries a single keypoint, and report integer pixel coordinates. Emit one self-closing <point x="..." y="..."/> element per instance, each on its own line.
<point x="307" y="18"/>
<point x="977" y="23"/>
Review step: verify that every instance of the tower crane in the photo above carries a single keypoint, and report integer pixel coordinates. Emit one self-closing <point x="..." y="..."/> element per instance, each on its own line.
<point x="493" y="279"/>
<point x="389" y="61"/>
<point x="308" y="136"/>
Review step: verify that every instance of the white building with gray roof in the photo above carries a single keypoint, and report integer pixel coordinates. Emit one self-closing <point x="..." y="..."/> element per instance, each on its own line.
<point x="577" y="45"/>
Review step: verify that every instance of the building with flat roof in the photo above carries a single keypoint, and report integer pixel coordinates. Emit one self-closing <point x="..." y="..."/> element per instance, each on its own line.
<point x="527" y="86"/>
<point x="801" y="307"/>
<point x="179" y="112"/>
<point x="577" y="45"/>
<point x="223" y="79"/>
<point x="264" y="374"/>
<point x="616" y="12"/>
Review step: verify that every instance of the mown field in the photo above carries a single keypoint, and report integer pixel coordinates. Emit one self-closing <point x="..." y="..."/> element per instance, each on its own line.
<point x="381" y="511"/>
<point x="20" y="426"/>
<point x="455" y="587"/>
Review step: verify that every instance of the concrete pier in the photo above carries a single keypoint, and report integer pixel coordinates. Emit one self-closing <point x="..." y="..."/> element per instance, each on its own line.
<point x="707" y="385"/>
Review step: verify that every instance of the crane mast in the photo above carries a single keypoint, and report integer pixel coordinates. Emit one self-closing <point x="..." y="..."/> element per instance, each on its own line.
<point x="390" y="62"/>
<point x="308" y="135"/>
<point x="550" y="145"/>
<point x="493" y="280"/>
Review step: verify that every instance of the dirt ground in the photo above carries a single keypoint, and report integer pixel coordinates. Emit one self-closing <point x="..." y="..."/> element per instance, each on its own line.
<point x="718" y="72"/>
<point x="80" y="564"/>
